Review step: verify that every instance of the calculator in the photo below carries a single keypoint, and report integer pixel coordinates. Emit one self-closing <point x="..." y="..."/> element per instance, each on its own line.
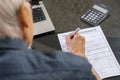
<point x="96" y="14"/>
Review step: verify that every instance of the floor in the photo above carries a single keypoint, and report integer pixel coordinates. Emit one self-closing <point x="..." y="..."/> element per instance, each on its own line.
<point x="65" y="15"/>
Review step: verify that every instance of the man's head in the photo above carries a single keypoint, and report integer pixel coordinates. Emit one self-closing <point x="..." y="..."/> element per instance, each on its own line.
<point x="16" y="20"/>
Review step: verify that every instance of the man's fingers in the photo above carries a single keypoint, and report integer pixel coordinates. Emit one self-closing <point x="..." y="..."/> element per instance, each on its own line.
<point x="78" y="36"/>
<point x="68" y="39"/>
<point x="76" y="44"/>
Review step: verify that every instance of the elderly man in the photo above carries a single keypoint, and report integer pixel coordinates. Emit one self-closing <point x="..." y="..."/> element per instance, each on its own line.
<point x="18" y="62"/>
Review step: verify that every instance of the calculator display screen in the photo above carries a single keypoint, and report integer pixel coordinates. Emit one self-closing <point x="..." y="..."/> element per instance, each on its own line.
<point x="100" y="9"/>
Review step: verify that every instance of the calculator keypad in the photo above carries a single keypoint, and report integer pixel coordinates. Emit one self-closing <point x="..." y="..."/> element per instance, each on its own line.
<point x="92" y="16"/>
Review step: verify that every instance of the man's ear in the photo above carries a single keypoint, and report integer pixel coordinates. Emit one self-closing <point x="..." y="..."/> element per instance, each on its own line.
<point x="26" y="21"/>
<point x="23" y="15"/>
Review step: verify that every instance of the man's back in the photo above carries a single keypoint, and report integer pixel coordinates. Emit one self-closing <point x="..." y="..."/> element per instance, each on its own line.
<point x="17" y="62"/>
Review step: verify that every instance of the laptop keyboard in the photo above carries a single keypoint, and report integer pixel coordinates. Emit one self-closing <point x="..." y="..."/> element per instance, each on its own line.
<point x="38" y="15"/>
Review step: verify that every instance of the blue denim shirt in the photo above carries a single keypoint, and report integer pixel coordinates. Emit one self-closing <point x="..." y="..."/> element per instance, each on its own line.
<point x="17" y="62"/>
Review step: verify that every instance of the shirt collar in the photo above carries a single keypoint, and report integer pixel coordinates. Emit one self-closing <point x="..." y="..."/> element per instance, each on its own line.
<point x="9" y="43"/>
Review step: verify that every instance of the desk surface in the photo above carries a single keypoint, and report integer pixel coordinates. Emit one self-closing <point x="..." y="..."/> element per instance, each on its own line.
<point x="65" y="15"/>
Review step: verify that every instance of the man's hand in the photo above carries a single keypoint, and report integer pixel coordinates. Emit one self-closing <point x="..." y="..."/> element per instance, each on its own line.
<point x="76" y="44"/>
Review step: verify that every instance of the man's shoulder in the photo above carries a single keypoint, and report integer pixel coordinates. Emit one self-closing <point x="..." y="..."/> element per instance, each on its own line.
<point x="27" y="62"/>
<point x="35" y="60"/>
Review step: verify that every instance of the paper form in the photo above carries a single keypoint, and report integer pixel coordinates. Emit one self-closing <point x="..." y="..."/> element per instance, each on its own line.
<point x="97" y="50"/>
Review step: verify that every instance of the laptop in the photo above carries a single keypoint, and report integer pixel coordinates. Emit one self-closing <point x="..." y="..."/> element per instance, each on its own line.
<point x="41" y="19"/>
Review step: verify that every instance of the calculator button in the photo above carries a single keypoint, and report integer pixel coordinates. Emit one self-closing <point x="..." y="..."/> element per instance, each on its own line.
<point x="82" y="17"/>
<point x="96" y="16"/>
<point x="91" y="13"/>
<point x="91" y="21"/>
<point x="86" y="18"/>
<point x="100" y="16"/>
<point x="92" y="16"/>
<point x="97" y="19"/>
<point x="89" y="10"/>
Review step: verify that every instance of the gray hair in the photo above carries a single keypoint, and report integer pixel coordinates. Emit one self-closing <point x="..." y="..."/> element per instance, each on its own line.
<point x="9" y="23"/>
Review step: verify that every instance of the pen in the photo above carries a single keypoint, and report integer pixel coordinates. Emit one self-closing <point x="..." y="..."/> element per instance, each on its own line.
<point x="75" y="32"/>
